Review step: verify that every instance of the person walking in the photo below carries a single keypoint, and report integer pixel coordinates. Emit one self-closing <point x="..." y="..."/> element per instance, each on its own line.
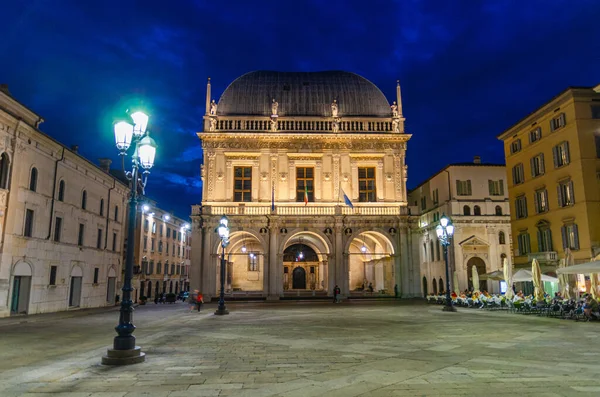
<point x="199" y="301"/>
<point x="336" y="293"/>
<point x="396" y="291"/>
<point x="193" y="299"/>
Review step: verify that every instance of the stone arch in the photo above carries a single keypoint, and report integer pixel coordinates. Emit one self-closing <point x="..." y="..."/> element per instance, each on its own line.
<point x="315" y="267"/>
<point x="5" y="166"/>
<point x="372" y="233"/>
<point x="325" y="246"/>
<point x="22" y="268"/>
<point x="112" y="272"/>
<point x="481" y="267"/>
<point x="425" y="289"/>
<point x="76" y="271"/>
<point x="370" y="254"/>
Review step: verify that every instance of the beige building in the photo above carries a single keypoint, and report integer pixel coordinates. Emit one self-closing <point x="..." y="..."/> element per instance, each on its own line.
<point x="162" y="252"/>
<point x="474" y="196"/>
<point x="281" y="150"/>
<point x="553" y="162"/>
<point x="61" y="221"/>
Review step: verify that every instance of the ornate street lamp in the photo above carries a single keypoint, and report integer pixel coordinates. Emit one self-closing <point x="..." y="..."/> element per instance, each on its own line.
<point x="124" y="350"/>
<point x="444" y="232"/>
<point x="223" y="231"/>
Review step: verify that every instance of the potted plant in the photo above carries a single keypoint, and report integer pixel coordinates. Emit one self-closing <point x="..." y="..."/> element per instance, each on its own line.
<point x="143" y="300"/>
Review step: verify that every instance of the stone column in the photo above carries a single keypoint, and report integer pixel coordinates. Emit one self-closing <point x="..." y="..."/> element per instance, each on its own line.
<point x="196" y="254"/>
<point x="338" y="260"/>
<point x="229" y="177"/>
<point x="379" y="181"/>
<point x="208" y="276"/>
<point x="275" y="288"/>
<point x="292" y="180"/>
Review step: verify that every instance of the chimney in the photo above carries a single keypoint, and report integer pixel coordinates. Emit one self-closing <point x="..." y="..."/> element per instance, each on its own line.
<point x="477" y="160"/>
<point x="105" y="164"/>
<point x="75" y="148"/>
<point x="4" y="89"/>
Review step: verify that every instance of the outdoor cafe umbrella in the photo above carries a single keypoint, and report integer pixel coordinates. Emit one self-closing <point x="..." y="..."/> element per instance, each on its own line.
<point x="456" y="289"/>
<point x="526" y="275"/>
<point x="475" y="277"/>
<point x="563" y="280"/>
<point x="594" y="285"/>
<point x="536" y="272"/>
<point x="508" y="278"/>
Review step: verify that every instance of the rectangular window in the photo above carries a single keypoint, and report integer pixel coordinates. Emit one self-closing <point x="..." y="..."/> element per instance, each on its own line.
<point x="595" y="111"/>
<point x="570" y="236"/>
<point x="145" y="243"/>
<point x="535" y="135"/>
<point x="518" y="174"/>
<point x="80" y="234"/>
<point x="151" y="267"/>
<point x="173" y="252"/>
<point x="537" y="165"/>
<point x="423" y="203"/>
<point x="178" y="269"/>
<point x="366" y="185"/>
<point x="496" y="188"/>
<point x="146" y="225"/>
<point x="160" y="246"/>
<point x="53" y="270"/>
<point x="168" y="232"/>
<point x="252" y="262"/>
<point x="99" y="239"/>
<point x="565" y="194"/>
<point x="560" y="154"/>
<point x="521" y="207"/>
<point x="437" y="250"/>
<point x="524" y="244"/>
<point x="160" y="230"/>
<point x="540" y="201"/>
<point x="178" y="250"/>
<point x="96" y="274"/>
<point x="597" y="138"/>
<point x="114" y="244"/>
<point x="28" y="230"/>
<point x="463" y="188"/>
<point x="166" y="268"/>
<point x="515" y="146"/>
<point x="305" y="183"/>
<point x="153" y="227"/>
<point x="242" y="184"/>
<point x="558" y="122"/>
<point x="167" y="248"/>
<point x="57" y="228"/>
<point x="152" y="245"/>
<point x="436" y="196"/>
<point x="544" y="240"/>
<point x="172" y="268"/>
<point x="158" y="268"/>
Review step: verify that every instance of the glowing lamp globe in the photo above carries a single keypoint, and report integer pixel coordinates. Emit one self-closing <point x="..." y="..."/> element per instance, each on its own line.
<point x="146" y="152"/>
<point x="123" y="134"/>
<point x="140" y="120"/>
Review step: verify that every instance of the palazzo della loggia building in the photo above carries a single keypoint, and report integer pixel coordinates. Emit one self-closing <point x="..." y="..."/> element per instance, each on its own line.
<point x="310" y="170"/>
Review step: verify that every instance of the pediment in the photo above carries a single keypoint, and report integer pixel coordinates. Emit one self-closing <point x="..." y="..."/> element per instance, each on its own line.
<point x="474" y="241"/>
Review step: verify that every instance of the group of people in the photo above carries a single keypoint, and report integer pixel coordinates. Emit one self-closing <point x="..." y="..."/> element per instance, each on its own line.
<point x="196" y="300"/>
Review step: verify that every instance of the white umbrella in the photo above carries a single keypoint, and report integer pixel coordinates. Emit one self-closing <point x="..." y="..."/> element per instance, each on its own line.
<point x="508" y="278"/>
<point x="584" y="268"/>
<point x="526" y="275"/>
<point x="475" y="277"/>
<point x="536" y="272"/>
<point x="456" y="289"/>
<point x="594" y="285"/>
<point x="563" y="280"/>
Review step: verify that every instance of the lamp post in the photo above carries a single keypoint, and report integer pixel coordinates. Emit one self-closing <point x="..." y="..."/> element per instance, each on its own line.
<point x="444" y="232"/>
<point x="223" y="231"/>
<point x="124" y="350"/>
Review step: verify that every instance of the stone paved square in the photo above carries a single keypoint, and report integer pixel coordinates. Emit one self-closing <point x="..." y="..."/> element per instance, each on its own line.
<point x="303" y="349"/>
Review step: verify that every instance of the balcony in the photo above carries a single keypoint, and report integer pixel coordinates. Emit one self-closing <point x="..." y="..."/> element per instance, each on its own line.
<point x="299" y="209"/>
<point x="544" y="257"/>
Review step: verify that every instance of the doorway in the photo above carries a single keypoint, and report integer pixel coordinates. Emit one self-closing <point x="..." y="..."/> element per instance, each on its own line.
<point x="299" y="278"/>
<point x="110" y="290"/>
<point x="75" y="292"/>
<point x="20" y="295"/>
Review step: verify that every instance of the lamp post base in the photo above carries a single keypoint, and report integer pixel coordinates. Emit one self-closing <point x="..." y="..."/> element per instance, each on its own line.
<point x="221" y="312"/>
<point x="124" y="357"/>
<point x="449" y="309"/>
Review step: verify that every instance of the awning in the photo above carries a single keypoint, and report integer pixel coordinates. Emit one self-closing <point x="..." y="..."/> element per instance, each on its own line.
<point x="495" y="275"/>
<point x="526" y="275"/>
<point x="584" y="268"/>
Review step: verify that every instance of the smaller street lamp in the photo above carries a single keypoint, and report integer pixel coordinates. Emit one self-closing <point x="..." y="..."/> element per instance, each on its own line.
<point x="223" y="230"/>
<point x="444" y="232"/>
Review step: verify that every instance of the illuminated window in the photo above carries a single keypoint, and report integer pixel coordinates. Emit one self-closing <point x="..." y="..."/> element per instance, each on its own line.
<point x="305" y="183"/>
<point x="366" y="185"/>
<point x="242" y="184"/>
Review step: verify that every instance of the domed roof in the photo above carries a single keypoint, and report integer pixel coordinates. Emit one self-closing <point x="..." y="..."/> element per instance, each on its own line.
<point x="303" y="94"/>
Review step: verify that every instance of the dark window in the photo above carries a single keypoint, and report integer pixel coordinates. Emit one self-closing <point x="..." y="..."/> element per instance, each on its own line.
<point x="116" y="213"/>
<point x="476" y="210"/>
<point x="33" y="179"/>
<point x="99" y="239"/>
<point x="114" y="244"/>
<point x="28" y="231"/>
<point x="515" y="146"/>
<point x="305" y="184"/>
<point x="101" y="207"/>
<point x="53" y="275"/>
<point x="158" y="268"/>
<point x="544" y="236"/>
<point x="4" y="165"/>
<point x="558" y="122"/>
<point x="366" y="185"/>
<point x="172" y="268"/>
<point x="146" y="224"/>
<point x="160" y="246"/>
<point x="501" y="238"/>
<point x="242" y="184"/>
<point x="498" y="210"/>
<point x="145" y="243"/>
<point x="595" y="111"/>
<point x="84" y="200"/>
<point x="168" y="232"/>
<point x="96" y="273"/>
<point x="597" y="137"/>
<point x="466" y="210"/>
<point x="57" y="228"/>
<point x="80" y="235"/>
<point x="61" y="191"/>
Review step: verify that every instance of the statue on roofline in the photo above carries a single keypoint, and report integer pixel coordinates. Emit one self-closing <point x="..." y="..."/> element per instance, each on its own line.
<point x="213" y="108"/>
<point x="334" y="109"/>
<point x="274" y="107"/>
<point x="394" y="110"/>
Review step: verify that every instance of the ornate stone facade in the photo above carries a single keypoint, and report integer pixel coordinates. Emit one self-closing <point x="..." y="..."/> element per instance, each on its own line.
<point x="316" y="202"/>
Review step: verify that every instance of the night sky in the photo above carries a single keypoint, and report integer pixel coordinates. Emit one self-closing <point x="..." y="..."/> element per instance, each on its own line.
<point x="468" y="69"/>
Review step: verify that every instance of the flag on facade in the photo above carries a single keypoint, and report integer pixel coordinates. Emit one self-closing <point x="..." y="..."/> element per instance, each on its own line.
<point x="273" y="198"/>
<point x="347" y="200"/>
<point x="305" y="194"/>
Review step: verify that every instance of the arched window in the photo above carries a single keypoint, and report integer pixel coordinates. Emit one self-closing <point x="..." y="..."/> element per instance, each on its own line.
<point x="101" y="207"/>
<point x="33" y="179"/>
<point x="476" y="210"/>
<point x="466" y="210"/>
<point x="501" y="238"/>
<point x="83" y="200"/>
<point x="61" y="191"/>
<point x="4" y="166"/>
<point x="498" y="210"/>
<point x="435" y="291"/>
<point x="432" y="258"/>
<point x="116" y="213"/>
<point x="441" y="285"/>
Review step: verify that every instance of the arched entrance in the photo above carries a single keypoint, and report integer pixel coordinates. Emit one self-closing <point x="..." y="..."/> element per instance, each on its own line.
<point x="21" y="288"/>
<point x="480" y="266"/>
<point x="370" y="263"/>
<point x="149" y="290"/>
<point x="424" y="286"/>
<point x="299" y="278"/>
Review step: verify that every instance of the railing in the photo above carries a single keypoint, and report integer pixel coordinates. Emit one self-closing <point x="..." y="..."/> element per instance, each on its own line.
<point x="301" y="210"/>
<point x="548" y="256"/>
<point x="284" y="124"/>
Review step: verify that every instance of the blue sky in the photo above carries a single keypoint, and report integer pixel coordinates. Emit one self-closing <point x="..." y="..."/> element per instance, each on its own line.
<point x="468" y="69"/>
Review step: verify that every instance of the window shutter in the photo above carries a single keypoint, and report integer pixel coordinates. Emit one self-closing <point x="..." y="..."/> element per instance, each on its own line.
<point x="576" y="237"/>
<point x="552" y="125"/>
<point x="548" y="236"/>
<point x="572" y="193"/>
<point x="540" y="238"/>
<point x="555" y="156"/>
<point x="536" y="202"/>
<point x="458" y="192"/>
<point x="527" y="243"/>
<point x="559" y="195"/>
<point x="491" y="187"/>
<point x="469" y="187"/>
<point x="567" y="154"/>
<point x="514" y="175"/>
<point x="532" y="163"/>
<point x="501" y="184"/>
<point x="563" y="120"/>
<point x="565" y="241"/>
<point x="542" y="166"/>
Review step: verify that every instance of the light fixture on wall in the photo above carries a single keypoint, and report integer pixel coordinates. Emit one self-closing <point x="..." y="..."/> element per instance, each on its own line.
<point x="300" y="253"/>
<point x="364" y="247"/>
<point x="244" y="249"/>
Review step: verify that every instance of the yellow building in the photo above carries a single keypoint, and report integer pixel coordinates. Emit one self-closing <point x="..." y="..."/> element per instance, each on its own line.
<point x="553" y="166"/>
